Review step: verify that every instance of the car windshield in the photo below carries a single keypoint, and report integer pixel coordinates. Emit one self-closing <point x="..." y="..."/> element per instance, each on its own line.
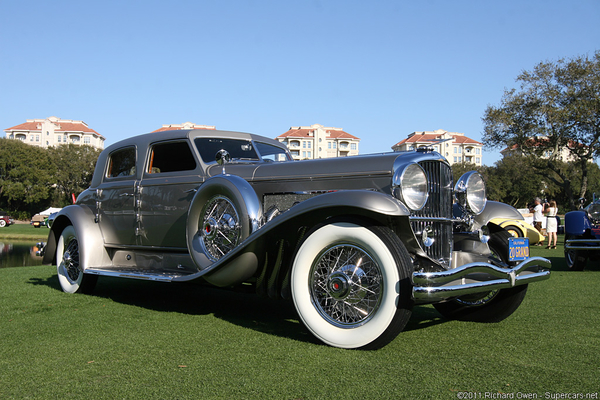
<point x="237" y="149"/>
<point x="594" y="210"/>
<point x="271" y="153"/>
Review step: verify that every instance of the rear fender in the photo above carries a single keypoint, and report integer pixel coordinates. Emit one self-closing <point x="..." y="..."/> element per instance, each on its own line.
<point x="527" y="230"/>
<point x="92" y="252"/>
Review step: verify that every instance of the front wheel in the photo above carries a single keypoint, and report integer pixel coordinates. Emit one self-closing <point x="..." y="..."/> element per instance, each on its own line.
<point x="351" y="285"/>
<point x="492" y="306"/>
<point x="2" y="223"/>
<point x="513" y="230"/>
<point x="576" y="260"/>
<point x="70" y="272"/>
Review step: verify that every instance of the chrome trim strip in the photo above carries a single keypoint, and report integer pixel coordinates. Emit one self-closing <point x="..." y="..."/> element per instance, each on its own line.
<point x="477" y="277"/>
<point x="572" y="244"/>
<point x="330" y="176"/>
<point x="147" y="276"/>
<point x="432" y="219"/>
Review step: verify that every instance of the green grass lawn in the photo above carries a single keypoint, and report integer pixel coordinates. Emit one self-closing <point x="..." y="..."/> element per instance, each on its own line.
<point x="147" y="340"/>
<point x="24" y="232"/>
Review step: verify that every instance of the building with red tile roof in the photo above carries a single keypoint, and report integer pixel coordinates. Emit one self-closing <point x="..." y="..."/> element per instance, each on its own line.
<point x="185" y="125"/>
<point x="318" y="141"/>
<point x="564" y="154"/>
<point x="455" y="146"/>
<point x="54" y="131"/>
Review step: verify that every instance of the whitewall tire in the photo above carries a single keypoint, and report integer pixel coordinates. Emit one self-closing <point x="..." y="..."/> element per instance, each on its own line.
<point x="351" y="285"/>
<point x="70" y="272"/>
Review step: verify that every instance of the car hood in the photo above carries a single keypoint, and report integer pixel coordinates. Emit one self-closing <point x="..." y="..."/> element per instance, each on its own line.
<point x="357" y="172"/>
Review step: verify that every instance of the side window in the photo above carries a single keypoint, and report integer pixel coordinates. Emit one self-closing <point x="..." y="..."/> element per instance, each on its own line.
<point x="122" y="163"/>
<point x="170" y="157"/>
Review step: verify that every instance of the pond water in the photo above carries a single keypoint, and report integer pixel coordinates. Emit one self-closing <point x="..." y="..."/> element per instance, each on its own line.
<point x="18" y="254"/>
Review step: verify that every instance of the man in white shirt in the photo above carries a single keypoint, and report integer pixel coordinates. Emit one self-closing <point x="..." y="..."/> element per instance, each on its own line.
<point x="538" y="215"/>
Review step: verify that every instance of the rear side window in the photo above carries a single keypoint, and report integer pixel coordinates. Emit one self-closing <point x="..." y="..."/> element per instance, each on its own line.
<point x="170" y="157"/>
<point x="122" y="163"/>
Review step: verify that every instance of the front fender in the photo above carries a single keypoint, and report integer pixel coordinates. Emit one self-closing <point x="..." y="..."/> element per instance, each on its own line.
<point x="92" y="252"/>
<point x="576" y="223"/>
<point x="357" y="203"/>
<point x="369" y="201"/>
<point x="495" y="209"/>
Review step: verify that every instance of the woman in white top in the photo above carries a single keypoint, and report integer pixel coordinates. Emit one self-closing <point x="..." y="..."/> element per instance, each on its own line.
<point x="551" y="224"/>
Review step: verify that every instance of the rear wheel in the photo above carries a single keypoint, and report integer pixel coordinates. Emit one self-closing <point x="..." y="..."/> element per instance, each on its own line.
<point x="2" y="223"/>
<point x="70" y="272"/>
<point x="491" y="306"/>
<point x="351" y="285"/>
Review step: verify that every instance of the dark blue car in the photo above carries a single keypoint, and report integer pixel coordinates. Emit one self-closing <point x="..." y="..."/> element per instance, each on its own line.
<point x="582" y="236"/>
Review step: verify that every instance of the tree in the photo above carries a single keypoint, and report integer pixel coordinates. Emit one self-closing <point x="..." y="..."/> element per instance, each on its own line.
<point x="25" y="176"/>
<point x="74" y="170"/>
<point x="557" y="106"/>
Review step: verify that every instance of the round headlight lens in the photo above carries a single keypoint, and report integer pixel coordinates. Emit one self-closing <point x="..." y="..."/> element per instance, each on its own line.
<point x="410" y="186"/>
<point x="470" y="192"/>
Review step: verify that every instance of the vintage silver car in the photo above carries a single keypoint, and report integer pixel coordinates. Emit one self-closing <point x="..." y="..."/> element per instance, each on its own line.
<point x="354" y="242"/>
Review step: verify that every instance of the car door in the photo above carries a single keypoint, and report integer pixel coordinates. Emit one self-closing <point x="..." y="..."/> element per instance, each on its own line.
<point x="170" y="179"/>
<point x="117" y="198"/>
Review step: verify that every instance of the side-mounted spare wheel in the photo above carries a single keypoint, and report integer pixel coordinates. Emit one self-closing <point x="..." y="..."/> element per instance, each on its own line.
<point x="351" y="285"/>
<point x="223" y="213"/>
<point x="491" y="306"/>
<point x="70" y="271"/>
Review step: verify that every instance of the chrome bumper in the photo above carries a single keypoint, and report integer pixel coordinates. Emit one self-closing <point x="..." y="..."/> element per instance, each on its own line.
<point x="582" y="244"/>
<point x="476" y="278"/>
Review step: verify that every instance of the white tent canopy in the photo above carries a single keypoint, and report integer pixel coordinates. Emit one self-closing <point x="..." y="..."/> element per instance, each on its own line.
<point x="49" y="211"/>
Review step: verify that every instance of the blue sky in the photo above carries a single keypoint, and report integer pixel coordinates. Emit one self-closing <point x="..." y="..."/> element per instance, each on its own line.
<point x="378" y="69"/>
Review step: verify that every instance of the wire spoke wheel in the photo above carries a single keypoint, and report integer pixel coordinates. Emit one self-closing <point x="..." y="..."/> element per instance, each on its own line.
<point x="71" y="276"/>
<point x="351" y="284"/>
<point x="220" y="228"/>
<point x="345" y="285"/>
<point x="70" y="260"/>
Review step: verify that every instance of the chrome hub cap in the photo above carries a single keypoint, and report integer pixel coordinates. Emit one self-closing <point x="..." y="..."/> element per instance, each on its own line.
<point x="71" y="260"/>
<point x="210" y="229"/>
<point x="346" y="286"/>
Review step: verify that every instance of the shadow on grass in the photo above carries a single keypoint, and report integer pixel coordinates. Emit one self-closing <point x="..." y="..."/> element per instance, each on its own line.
<point x="239" y="307"/>
<point x="557" y="257"/>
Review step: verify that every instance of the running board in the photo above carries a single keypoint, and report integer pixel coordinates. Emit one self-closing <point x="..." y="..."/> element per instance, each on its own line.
<point x="133" y="273"/>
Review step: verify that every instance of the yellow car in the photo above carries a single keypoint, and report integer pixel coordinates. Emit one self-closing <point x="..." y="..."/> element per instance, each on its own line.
<point x="519" y="228"/>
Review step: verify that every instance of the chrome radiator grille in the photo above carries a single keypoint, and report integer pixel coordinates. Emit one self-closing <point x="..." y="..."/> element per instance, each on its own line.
<point x="436" y="217"/>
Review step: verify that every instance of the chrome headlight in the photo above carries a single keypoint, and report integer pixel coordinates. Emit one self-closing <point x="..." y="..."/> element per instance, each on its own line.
<point x="470" y="192"/>
<point x="410" y="186"/>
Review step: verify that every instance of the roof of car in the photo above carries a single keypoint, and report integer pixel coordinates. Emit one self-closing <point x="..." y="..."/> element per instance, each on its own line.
<point x="146" y="139"/>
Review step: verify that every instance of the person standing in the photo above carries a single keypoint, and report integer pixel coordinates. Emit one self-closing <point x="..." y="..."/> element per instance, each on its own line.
<point x="551" y="224"/>
<point x="538" y="215"/>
